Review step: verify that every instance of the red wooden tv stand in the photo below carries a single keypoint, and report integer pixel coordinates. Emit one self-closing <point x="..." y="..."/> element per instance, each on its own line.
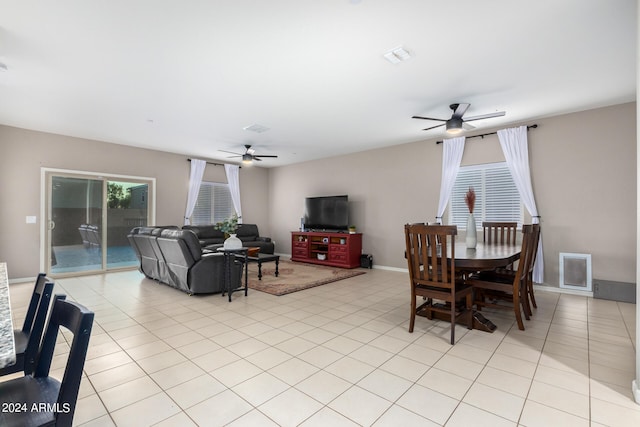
<point x="327" y="248"/>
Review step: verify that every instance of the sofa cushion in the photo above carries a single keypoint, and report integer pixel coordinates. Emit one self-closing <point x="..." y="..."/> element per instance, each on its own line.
<point x="205" y="231"/>
<point x="207" y="234"/>
<point x="191" y="243"/>
<point x="247" y="232"/>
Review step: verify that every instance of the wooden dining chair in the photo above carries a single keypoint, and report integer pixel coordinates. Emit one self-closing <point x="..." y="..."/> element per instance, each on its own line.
<point x="491" y="289"/>
<point x="530" y="298"/>
<point x="499" y="232"/>
<point x="27" y="340"/>
<point x="432" y="275"/>
<point x="527" y="297"/>
<point x="49" y="401"/>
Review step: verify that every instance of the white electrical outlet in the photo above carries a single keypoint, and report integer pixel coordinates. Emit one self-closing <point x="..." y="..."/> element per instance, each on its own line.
<point x="31" y="219"/>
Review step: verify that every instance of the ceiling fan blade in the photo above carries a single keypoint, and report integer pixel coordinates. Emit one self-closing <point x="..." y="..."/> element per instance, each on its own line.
<point x="433" y="127"/>
<point x="231" y="157"/>
<point x="467" y="126"/>
<point x="256" y="159"/>
<point x="230" y="152"/>
<point x="429" y="118"/>
<point x="460" y="110"/>
<point x="263" y="155"/>
<point x="485" y="116"/>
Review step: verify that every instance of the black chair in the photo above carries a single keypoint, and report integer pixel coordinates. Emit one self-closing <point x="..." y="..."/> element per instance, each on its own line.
<point x="47" y="401"/>
<point x="27" y="339"/>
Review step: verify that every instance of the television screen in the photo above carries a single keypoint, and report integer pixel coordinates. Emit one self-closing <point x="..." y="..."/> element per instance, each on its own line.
<point x="326" y="213"/>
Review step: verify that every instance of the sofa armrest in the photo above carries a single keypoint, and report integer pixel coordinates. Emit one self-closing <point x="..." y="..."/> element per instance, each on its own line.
<point x="208" y="275"/>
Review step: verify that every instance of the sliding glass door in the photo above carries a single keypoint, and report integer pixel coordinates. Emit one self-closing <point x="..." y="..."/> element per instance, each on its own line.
<point x="127" y="207"/>
<point x="89" y="218"/>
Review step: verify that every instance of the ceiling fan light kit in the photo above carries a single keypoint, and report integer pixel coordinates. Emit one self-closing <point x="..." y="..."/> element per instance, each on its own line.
<point x="454" y="125"/>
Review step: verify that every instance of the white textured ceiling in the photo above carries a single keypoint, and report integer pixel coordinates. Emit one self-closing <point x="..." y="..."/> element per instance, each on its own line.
<point x="187" y="76"/>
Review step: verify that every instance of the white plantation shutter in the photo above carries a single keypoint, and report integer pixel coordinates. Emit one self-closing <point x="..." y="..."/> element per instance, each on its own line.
<point x="497" y="198"/>
<point x="214" y="204"/>
<point x="458" y="211"/>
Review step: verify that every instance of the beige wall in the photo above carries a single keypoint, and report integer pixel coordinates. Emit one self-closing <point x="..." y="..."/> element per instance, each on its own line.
<point x="24" y="153"/>
<point x="583" y="172"/>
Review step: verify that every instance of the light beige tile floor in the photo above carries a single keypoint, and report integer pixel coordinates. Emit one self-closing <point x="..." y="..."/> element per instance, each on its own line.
<point x="341" y="355"/>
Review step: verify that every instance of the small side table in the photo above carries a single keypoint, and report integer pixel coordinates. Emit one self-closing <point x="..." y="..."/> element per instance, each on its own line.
<point x="260" y="258"/>
<point x="229" y="257"/>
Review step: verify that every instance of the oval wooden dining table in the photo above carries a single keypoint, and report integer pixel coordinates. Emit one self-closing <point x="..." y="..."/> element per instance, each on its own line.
<point x="485" y="256"/>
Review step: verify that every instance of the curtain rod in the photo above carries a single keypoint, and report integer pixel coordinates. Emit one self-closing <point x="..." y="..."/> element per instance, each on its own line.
<point x="215" y="164"/>
<point x="490" y="133"/>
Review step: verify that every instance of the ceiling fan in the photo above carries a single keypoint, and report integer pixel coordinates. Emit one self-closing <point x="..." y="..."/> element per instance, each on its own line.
<point x="456" y="123"/>
<point x="249" y="155"/>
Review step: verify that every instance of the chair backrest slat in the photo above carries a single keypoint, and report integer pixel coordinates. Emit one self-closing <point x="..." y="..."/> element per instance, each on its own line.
<point x="30" y="316"/>
<point x="499" y="232"/>
<point x="43" y="290"/>
<point x="431" y="254"/>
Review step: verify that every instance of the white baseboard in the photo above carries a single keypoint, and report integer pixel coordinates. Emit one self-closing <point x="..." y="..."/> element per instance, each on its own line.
<point x="542" y="288"/>
<point x="22" y="280"/>
<point x="387" y="268"/>
<point x="635" y="387"/>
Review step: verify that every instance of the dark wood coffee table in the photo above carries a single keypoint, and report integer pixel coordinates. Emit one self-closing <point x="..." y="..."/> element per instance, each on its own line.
<point x="260" y="258"/>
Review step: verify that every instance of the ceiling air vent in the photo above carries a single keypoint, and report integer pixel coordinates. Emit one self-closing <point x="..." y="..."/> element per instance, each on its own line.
<point x="397" y="55"/>
<point x="256" y="128"/>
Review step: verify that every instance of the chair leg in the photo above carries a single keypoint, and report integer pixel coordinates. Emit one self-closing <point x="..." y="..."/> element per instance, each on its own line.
<point x="524" y="301"/>
<point x="469" y="303"/>
<point x="412" y="319"/>
<point x="516" y="309"/>
<point x="479" y="298"/>
<point x="453" y="323"/>
<point x="530" y="292"/>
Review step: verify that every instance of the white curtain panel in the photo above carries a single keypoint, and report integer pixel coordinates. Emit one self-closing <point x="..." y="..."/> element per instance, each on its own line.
<point x="516" y="151"/>
<point x="233" y="178"/>
<point x="195" y="180"/>
<point x="451" y="158"/>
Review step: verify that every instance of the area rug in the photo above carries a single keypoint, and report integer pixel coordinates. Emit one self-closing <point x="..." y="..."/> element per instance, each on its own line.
<point x="295" y="276"/>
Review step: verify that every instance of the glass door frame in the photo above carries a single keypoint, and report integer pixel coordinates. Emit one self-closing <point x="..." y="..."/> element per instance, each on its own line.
<point x="46" y="176"/>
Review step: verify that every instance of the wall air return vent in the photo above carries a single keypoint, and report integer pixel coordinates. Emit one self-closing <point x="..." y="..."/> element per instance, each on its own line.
<point x="575" y="271"/>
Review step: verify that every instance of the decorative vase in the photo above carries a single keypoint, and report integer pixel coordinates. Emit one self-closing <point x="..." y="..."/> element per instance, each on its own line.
<point x="232" y="242"/>
<point x="472" y="234"/>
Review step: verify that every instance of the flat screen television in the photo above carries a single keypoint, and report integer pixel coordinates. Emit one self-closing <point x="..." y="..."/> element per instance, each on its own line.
<point x="326" y="213"/>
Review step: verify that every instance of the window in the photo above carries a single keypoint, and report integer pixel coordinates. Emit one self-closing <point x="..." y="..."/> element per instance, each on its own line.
<point x="497" y="198"/>
<point x="214" y="204"/>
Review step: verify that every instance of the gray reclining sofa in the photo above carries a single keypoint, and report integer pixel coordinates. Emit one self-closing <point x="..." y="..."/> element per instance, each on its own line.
<point x="176" y="258"/>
